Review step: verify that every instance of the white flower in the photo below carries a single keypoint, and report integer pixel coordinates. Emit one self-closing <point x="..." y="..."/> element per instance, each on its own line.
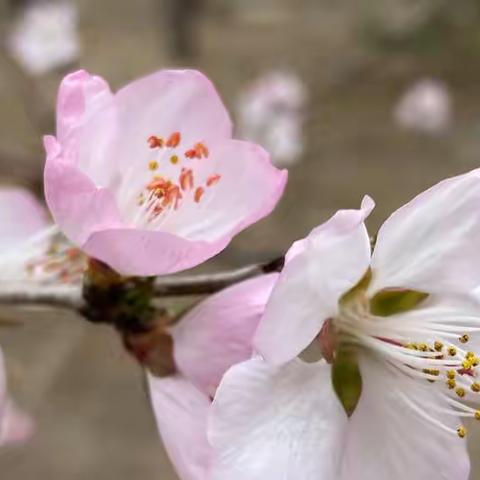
<point x="45" y="37"/>
<point x="425" y="107"/>
<point x="401" y="329"/>
<point x="270" y="113"/>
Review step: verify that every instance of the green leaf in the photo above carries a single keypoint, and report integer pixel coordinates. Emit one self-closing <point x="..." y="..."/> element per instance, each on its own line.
<point x="389" y="302"/>
<point x="346" y="379"/>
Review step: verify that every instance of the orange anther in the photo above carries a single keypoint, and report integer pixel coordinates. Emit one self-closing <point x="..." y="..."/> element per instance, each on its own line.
<point x="213" y="179"/>
<point x="157" y="182"/>
<point x="186" y="179"/>
<point x="172" y="196"/>
<point x="173" y="140"/>
<point x="201" y="150"/>
<point x="191" y="153"/>
<point x="198" y="194"/>
<point x="155" y="142"/>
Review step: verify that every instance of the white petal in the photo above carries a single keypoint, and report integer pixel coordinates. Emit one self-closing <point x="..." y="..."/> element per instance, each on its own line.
<point x="276" y="423"/>
<point x="431" y="243"/>
<point x="181" y="412"/>
<point x="319" y="270"/>
<point x="388" y="439"/>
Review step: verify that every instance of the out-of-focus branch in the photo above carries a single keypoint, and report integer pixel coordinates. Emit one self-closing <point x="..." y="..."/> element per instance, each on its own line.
<point x="213" y="282"/>
<point x="69" y="297"/>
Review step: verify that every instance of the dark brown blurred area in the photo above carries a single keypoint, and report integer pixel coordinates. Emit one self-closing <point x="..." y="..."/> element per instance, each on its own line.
<point x="87" y="395"/>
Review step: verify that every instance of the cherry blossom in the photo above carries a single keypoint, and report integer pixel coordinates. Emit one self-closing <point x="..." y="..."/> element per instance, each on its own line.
<point x="149" y="180"/>
<point x="399" y="330"/>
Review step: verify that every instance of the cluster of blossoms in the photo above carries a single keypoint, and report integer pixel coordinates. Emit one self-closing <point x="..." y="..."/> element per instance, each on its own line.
<point x="150" y="182"/>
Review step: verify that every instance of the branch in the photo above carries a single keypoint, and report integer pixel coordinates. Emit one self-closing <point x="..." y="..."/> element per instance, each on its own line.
<point x="213" y="282"/>
<point x="71" y="296"/>
<point x="49" y="296"/>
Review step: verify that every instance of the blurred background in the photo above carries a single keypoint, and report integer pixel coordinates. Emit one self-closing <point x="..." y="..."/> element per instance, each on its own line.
<point x="378" y="97"/>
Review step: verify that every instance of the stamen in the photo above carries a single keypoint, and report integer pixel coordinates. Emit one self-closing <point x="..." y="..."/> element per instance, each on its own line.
<point x="213" y="179"/>
<point x="155" y="142"/>
<point x="462" y="431"/>
<point x="199" y="194"/>
<point x="174" y="140"/>
<point x="153" y="165"/>
<point x="464" y="338"/>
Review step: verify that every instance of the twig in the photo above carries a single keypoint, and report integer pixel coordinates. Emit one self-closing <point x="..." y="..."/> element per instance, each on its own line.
<point x="71" y="297"/>
<point x="213" y="282"/>
<point x="51" y="296"/>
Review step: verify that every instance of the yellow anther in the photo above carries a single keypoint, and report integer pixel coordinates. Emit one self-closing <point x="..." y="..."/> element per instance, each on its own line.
<point x="462" y="431"/>
<point x="467" y="364"/>
<point x="411" y="346"/>
<point x="475" y="386"/>
<point x="153" y="165"/>
<point x="174" y="159"/>
<point x="423" y="347"/>
<point x="477" y="415"/>
<point x="451" y="384"/>
<point x="464" y="338"/>
<point x="438" y="346"/>
<point x="460" y="392"/>
<point x="475" y="362"/>
<point x="451" y="374"/>
<point x="452" y="351"/>
<point x="470" y="355"/>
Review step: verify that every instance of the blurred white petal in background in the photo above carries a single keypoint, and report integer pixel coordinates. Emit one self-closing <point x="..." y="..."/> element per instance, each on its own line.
<point x="45" y="37"/>
<point x="425" y="107"/>
<point x="270" y="112"/>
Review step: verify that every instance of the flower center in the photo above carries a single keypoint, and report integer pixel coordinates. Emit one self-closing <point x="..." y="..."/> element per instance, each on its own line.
<point x="177" y="178"/>
<point x="433" y="351"/>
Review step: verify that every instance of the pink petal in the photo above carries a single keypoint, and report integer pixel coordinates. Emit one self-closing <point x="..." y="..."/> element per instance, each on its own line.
<point x="21" y="216"/>
<point x="431" y="243"/>
<point x="248" y="190"/>
<point x="276" y="423"/>
<point x="15" y="426"/>
<point x="181" y="413"/>
<point x="77" y="205"/>
<point x="165" y="102"/>
<point x="388" y="439"/>
<point x="319" y="270"/>
<point x="218" y="332"/>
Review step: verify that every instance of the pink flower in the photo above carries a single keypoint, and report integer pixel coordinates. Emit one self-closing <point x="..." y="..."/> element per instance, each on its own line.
<point x="149" y="180"/>
<point x="401" y="328"/>
<point x="212" y="337"/>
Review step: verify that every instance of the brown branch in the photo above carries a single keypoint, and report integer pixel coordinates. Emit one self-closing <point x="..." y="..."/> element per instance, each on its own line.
<point x="213" y="282"/>
<point x="69" y="297"/>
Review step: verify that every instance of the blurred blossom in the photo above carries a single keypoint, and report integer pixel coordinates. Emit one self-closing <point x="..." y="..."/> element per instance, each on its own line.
<point x="425" y="107"/>
<point x="45" y="37"/>
<point x="399" y="332"/>
<point x="212" y="337"/>
<point x="33" y="250"/>
<point x="15" y="426"/>
<point x="270" y="112"/>
<point x="149" y="180"/>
